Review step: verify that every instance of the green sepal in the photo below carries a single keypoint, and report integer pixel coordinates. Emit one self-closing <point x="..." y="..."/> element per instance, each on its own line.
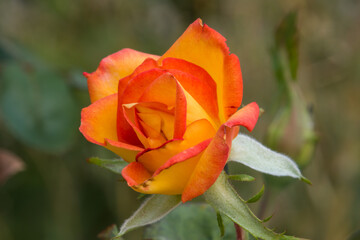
<point x="220" y="224"/>
<point x="191" y="221"/>
<point x="305" y="180"/>
<point x="152" y="210"/>
<point x="141" y="196"/>
<point x="268" y="218"/>
<point x="257" y="196"/>
<point x="248" y="151"/>
<point x="113" y="165"/>
<point x="225" y="200"/>
<point x="241" y="177"/>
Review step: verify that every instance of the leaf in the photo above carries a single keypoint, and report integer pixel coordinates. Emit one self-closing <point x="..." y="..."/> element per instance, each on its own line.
<point x="113" y="165"/>
<point x="37" y="107"/>
<point x="191" y="221"/>
<point x="152" y="210"/>
<point x="268" y="218"/>
<point x="141" y="196"/>
<point x="224" y="199"/>
<point x="220" y="224"/>
<point x="253" y="154"/>
<point x="242" y="177"/>
<point x="257" y="196"/>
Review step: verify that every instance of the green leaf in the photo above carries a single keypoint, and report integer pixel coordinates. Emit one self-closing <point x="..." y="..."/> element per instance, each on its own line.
<point x="224" y="199"/>
<point x="220" y="224"/>
<point x="113" y="165"/>
<point x="37" y="107"/>
<point x="253" y="154"/>
<point x="257" y="196"/>
<point x="241" y="177"/>
<point x="268" y="218"/>
<point x="152" y="210"/>
<point x="141" y="196"/>
<point x="191" y="221"/>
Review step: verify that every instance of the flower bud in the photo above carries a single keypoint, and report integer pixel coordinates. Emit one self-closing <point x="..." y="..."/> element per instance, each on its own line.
<point x="292" y="130"/>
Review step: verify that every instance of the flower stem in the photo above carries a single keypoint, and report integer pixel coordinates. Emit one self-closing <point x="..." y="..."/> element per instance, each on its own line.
<point x="239" y="232"/>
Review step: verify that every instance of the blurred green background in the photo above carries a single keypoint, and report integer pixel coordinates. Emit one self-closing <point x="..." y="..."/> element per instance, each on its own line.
<point x="45" y="45"/>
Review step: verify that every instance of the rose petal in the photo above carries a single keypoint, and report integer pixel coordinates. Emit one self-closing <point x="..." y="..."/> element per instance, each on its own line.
<point x="208" y="168"/>
<point x="215" y="156"/>
<point x="155" y="137"/>
<point x="196" y="133"/>
<point x="171" y="178"/>
<point x="196" y="81"/>
<point x="135" y="174"/>
<point x="130" y="94"/>
<point x="158" y="119"/>
<point x="98" y="125"/>
<point x="166" y="89"/>
<point x="104" y="81"/>
<point x="205" y="47"/>
<point x="131" y="117"/>
<point x="246" y="116"/>
<point x="170" y="181"/>
<point x="184" y="155"/>
<point x="138" y="84"/>
<point x="233" y="85"/>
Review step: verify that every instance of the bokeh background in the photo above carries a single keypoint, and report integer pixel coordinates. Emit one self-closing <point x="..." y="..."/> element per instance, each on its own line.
<point x="45" y="45"/>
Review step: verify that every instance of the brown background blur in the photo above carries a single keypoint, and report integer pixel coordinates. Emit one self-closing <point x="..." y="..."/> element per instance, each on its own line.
<point x="59" y="196"/>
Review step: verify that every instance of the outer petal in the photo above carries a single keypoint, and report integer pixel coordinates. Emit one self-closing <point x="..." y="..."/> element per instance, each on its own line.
<point x="208" y="168"/>
<point x="104" y="81"/>
<point x="171" y="178"/>
<point x="135" y="173"/>
<point x="215" y="156"/>
<point x="233" y="85"/>
<point x="246" y="116"/>
<point x="98" y="125"/>
<point x="206" y="48"/>
<point x="184" y="155"/>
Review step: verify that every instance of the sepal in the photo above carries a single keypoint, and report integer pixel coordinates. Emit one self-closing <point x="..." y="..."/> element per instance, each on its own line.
<point x="241" y="177"/>
<point x="113" y="165"/>
<point x="257" y="196"/>
<point x="253" y="154"/>
<point x="152" y="210"/>
<point x="220" y="224"/>
<point x="225" y="200"/>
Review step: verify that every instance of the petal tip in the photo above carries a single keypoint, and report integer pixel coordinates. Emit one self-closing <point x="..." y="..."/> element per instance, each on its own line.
<point x="200" y="22"/>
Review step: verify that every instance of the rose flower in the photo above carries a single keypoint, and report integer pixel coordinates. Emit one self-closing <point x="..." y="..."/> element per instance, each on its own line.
<point x="172" y="118"/>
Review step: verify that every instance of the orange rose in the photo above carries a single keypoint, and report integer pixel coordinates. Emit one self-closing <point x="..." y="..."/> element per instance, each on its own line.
<point x="172" y="118"/>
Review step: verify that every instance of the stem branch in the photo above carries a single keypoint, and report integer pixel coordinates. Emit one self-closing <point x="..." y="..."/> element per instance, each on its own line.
<point x="239" y="232"/>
